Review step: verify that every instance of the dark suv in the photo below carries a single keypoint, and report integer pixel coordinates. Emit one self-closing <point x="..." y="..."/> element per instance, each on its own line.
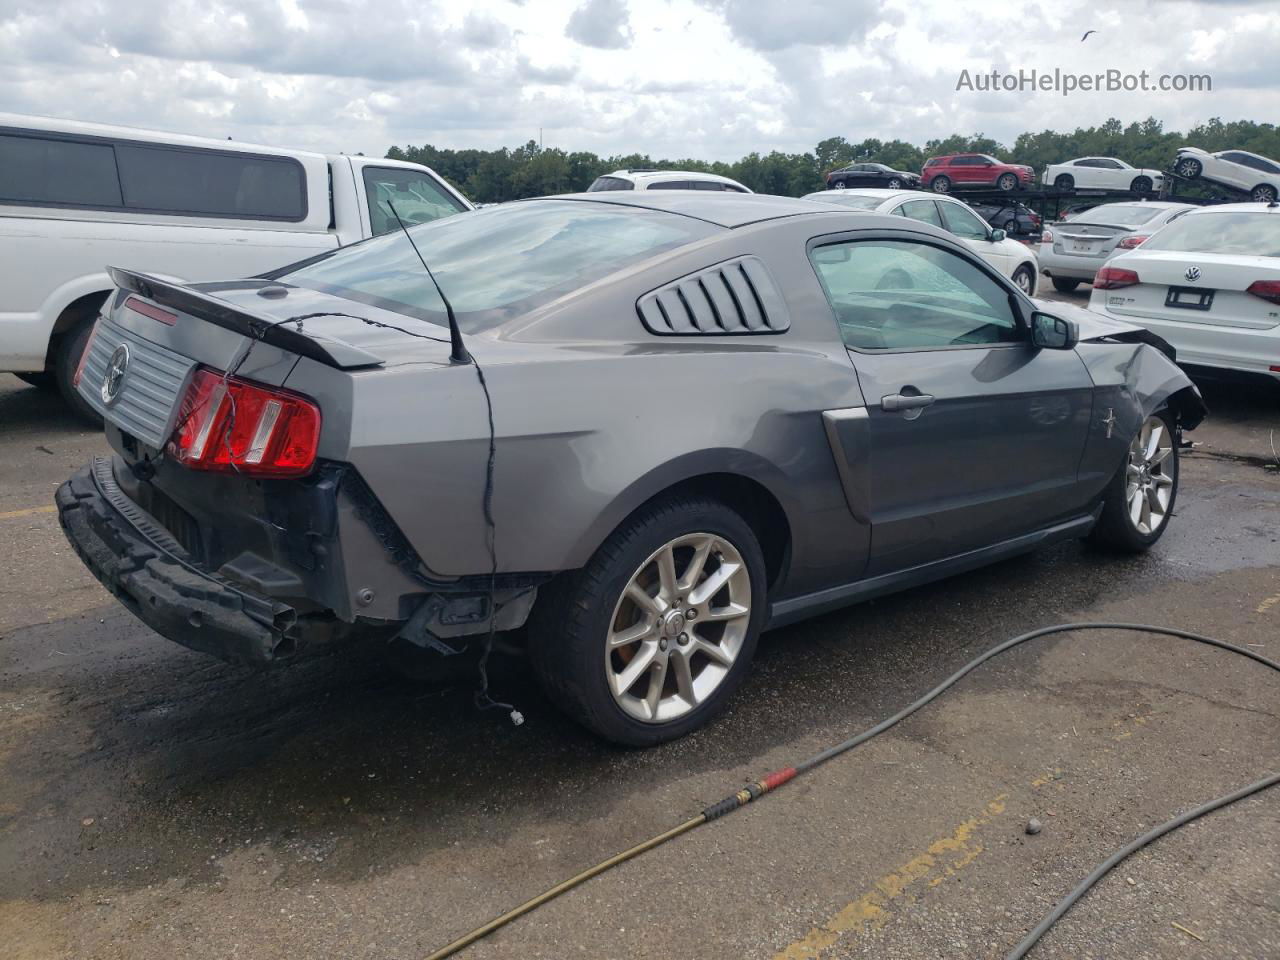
<point x="959" y="170"/>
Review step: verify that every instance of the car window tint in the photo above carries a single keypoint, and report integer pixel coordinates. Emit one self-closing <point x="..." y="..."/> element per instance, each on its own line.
<point x="671" y="185"/>
<point x="904" y="295"/>
<point x="925" y="211"/>
<point x="963" y="223"/>
<point x="417" y="198"/>
<point x="713" y="185"/>
<point x="497" y="263"/>
<point x="209" y="182"/>
<point x="729" y="187"/>
<point x="1246" y="234"/>
<point x="40" y="170"/>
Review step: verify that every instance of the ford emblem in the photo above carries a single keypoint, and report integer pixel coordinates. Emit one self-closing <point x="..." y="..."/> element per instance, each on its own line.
<point x="114" y="377"/>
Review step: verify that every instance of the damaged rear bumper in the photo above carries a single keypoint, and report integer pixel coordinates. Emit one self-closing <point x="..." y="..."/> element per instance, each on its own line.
<point x="148" y="571"/>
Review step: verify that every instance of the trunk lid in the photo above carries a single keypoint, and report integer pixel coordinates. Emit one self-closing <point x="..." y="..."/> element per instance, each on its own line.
<point x="1199" y="289"/>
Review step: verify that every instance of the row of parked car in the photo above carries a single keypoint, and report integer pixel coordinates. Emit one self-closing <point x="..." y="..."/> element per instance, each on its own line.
<point x="1237" y="170"/>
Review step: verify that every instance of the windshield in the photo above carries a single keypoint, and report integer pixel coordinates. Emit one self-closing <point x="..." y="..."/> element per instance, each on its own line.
<point x="1117" y="214"/>
<point x="846" y="199"/>
<point x="1244" y="234"/>
<point x="496" y="263"/>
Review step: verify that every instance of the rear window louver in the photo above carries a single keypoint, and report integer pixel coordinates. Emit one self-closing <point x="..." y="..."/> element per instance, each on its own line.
<point x="730" y="299"/>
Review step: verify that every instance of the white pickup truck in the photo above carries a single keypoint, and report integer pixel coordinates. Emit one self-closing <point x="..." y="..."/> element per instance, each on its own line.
<point x="77" y="197"/>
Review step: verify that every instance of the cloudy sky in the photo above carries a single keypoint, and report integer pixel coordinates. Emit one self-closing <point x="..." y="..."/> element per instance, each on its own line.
<point x="707" y="78"/>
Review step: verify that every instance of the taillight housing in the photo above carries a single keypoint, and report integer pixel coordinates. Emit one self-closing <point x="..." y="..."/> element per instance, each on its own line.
<point x="84" y="357"/>
<point x="1266" y="289"/>
<point x="1046" y="235"/>
<point x="238" y="426"/>
<point x="1113" y="278"/>
<point x="1133" y="240"/>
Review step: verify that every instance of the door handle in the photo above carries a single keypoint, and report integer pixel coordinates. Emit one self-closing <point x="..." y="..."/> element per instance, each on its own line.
<point x="897" y="401"/>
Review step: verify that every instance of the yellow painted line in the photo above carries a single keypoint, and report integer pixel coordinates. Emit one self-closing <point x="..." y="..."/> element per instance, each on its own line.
<point x="1268" y="603"/>
<point x="29" y="512"/>
<point x="942" y="859"/>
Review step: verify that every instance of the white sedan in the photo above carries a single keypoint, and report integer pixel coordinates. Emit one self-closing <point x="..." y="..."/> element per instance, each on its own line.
<point x="1102" y="173"/>
<point x="1238" y="169"/>
<point x="1013" y="259"/>
<point x="1209" y="283"/>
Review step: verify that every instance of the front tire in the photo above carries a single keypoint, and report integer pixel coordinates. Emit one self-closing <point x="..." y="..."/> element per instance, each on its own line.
<point x="1139" y="500"/>
<point x="894" y="183"/>
<point x="1007" y="182"/>
<point x="1263" y="193"/>
<point x="651" y="638"/>
<point x="1189" y="168"/>
<point x="1064" y="181"/>
<point x="1024" y="278"/>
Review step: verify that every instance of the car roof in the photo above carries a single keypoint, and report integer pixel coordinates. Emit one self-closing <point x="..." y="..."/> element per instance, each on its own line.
<point x="638" y="175"/>
<point x="722" y="209"/>
<point x="1236" y="208"/>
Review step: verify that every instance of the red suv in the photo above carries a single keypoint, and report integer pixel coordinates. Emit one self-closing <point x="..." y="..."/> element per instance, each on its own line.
<point x="972" y="170"/>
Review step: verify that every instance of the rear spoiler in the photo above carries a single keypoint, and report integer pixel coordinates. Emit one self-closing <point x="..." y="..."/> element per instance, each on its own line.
<point x="326" y="350"/>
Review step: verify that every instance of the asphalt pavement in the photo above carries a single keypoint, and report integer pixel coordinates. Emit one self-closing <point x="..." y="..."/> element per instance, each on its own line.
<point x="156" y="803"/>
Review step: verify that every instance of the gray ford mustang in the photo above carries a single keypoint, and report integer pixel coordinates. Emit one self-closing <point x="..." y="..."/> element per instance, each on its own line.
<point x="669" y="421"/>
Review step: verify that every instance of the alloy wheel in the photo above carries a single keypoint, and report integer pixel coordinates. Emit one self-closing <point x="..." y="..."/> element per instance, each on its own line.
<point x="1148" y="488"/>
<point x="1263" y="194"/>
<point x="895" y="184"/>
<point x="1189" y="169"/>
<point x="678" y="627"/>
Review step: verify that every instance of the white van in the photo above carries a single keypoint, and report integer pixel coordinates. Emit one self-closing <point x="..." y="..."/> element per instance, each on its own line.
<point x="77" y="197"/>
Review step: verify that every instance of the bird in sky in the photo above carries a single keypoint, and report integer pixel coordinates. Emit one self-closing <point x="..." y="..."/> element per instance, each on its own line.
<point x="1086" y="35"/>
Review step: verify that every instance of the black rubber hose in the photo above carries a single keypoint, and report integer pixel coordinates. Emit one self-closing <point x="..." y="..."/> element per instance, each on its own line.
<point x="776" y="779"/>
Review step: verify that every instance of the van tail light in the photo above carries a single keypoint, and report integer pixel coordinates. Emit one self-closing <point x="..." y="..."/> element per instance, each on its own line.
<point x="1133" y="240"/>
<point x="1046" y="235"/>
<point x="1113" y="278"/>
<point x="234" y="425"/>
<point x="1266" y="289"/>
<point x="84" y="357"/>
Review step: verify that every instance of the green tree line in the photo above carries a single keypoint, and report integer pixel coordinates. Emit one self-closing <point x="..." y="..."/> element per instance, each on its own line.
<point x="492" y="176"/>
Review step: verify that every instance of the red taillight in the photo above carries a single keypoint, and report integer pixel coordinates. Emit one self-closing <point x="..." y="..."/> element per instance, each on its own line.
<point x="152" y="311"/>
<point x="1113" y="278"/>
<point x="1132" y="240"/>
<point x="1266" y="289"/>
<point x="88" y="345"/>
<point x="225" y="423"/>
<point x="1046" y="236"/>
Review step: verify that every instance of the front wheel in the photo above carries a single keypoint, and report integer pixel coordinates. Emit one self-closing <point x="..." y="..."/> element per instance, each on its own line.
<point x="651" y="638"/>
<point x="1189" y="168"/>
<point x="1263" y="193"/>
<point x="894" y="183"/>
<point x="1024" y="278"/>
<point x="1007" y="182"/>
<point x="1139" y="500"/>
<point x="1141" y="185"/>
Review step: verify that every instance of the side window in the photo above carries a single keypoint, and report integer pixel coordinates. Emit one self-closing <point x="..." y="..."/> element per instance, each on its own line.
<point x="707" y="185"/>
<point x="906" y="295"/>
<point x="925" y="211"/>
<point x="732" y="189"/>
<point x="610" y="183"/>
<point x="49" y="171"/>
<point x="1109" y="165"/>
<point x="417" y="197"/>
<point x="963" y="223"/>
<point x="215" y="184"/>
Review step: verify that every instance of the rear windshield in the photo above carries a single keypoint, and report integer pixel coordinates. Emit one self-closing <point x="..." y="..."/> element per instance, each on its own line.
<point x="610" y="183"/>
<point x="1118" y="215"/>
<point x="1245" y="234"/>
<point x="496" y="263"/>
<point x="846" y="199"/>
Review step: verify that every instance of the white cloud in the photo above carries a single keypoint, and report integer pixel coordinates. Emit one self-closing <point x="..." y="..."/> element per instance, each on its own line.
<point x="681" y="78"/>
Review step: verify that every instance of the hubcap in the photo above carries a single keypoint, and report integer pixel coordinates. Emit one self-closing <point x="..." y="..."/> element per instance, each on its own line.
<point x="1149" y="489"/>
<point x="678" y="627"/>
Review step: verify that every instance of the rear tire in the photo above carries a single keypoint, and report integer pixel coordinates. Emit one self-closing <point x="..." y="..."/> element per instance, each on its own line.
<point x="577" y="628"/>
<point x="1011" y="227"/>
<point x="1065" y="284"/>
<point x="1148" y="474"/>
<point x="940" y="184"/>
<point x="66" y="359"/>
<point x="1141" y="185"/>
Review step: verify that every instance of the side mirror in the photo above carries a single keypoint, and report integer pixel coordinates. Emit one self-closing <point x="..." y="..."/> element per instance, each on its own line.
<point x="997" y="235"/>
<point x="1053" y="333"/>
